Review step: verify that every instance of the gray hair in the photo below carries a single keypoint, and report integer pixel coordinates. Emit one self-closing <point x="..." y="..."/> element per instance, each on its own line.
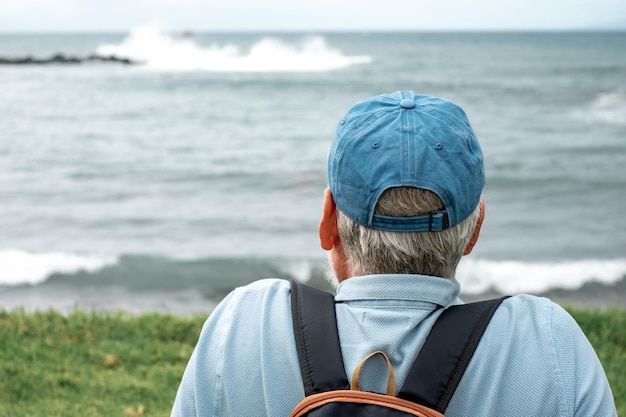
<point x="373" y="251"/>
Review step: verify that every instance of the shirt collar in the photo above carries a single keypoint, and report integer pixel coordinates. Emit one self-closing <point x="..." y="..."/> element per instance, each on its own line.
<point x="436" y="290"/>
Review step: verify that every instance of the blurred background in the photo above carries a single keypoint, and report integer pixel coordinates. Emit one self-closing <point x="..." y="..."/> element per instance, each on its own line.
<point x="156" y="154"/>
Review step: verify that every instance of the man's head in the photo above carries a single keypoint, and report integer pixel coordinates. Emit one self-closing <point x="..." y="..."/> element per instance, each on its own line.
<point x="406" y="174"/>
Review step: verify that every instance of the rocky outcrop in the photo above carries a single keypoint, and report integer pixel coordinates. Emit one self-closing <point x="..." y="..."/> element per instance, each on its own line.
<point x="65" y="59"/>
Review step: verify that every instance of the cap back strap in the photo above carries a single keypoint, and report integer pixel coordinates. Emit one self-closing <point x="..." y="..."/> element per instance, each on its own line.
<point x="434" y="221"/>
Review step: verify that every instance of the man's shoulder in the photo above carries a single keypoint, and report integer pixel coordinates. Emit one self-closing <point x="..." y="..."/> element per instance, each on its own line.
<point x="262" y="286"/>
<point x="529" y="329"/>
<point x="527" y="308"/>
<point x="528" y="302"/>
<point x="532" y="348"/>
<point x="258" y="311"/>
<point x="537" y="316"/>
<point x="249" y="302"/>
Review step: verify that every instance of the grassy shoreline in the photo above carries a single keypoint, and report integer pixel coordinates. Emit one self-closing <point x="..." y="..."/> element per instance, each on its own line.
<point x="95" y="364"/>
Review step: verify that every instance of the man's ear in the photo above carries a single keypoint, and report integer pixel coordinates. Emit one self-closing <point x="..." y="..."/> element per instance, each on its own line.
<point x="479" y="223"/>
<point x="328" y="232"/>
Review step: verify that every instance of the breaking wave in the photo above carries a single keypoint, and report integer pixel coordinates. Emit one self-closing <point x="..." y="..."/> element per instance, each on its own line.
<point x="18" y="267"/>
<point x="514" y="277"/>
<point x="609" y="107"/>
<point x="160" y="51"/>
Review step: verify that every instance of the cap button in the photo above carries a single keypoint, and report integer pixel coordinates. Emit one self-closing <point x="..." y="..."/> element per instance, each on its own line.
<point x="407" y="103"/>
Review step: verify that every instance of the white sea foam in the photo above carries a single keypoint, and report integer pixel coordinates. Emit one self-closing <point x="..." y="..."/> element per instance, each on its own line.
<point x="20" y="267"/>
<point x="513" y="277"/>
<point x="300" y="270"/>
<point x="609" y="107"/>
<point x="157" y="50"/>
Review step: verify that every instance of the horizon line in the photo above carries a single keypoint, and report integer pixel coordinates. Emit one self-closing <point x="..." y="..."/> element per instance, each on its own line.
<point x="328" y="30"/>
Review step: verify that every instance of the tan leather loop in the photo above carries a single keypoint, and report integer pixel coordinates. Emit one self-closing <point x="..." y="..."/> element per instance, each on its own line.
<point x="391" y="377"/>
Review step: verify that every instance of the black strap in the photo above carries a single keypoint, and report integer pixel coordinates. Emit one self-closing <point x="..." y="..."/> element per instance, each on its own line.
<point x="317" y="339"/>
<point x="448" y="349"/>
<point x="436" y="372"/>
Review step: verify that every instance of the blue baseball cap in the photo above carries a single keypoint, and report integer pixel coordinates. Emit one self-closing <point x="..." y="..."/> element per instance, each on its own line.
<point x="405" y="140"/>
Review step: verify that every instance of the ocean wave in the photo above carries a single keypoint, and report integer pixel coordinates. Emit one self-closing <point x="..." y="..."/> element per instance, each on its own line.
<point x="215" y="277"/>
<point x="157" y="50"/>
<point x="18" y="267"/>
<point x="609" y="107"/>
<point x="514" y="277"/>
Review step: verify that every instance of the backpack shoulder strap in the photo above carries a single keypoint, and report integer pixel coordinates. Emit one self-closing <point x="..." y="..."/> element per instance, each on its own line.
<point x="436" y="372"/>
<point x="317" y="339"/>
<point x="448" y="349"/>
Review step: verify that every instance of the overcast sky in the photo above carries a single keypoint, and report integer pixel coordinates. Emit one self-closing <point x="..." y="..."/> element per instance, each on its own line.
<point x="311" y="15"/>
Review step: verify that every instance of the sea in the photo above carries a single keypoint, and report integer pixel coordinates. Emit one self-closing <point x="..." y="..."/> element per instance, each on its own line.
<point x="162" y="185"/>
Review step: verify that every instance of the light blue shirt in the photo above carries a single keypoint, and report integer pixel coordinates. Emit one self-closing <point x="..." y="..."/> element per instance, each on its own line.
<point x="533" y="359"/>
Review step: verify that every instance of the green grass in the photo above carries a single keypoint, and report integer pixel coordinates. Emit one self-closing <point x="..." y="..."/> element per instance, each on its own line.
<point x="606" y="330"/>
<point x="89" y="364"/>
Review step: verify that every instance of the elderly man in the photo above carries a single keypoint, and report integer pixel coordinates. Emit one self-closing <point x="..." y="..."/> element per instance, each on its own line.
<point x="405" y="176"/>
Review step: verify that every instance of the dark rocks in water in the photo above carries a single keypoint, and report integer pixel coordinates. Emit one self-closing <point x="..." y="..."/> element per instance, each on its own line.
<point x="110" y="58"/>
<point x="63" y="59"/>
